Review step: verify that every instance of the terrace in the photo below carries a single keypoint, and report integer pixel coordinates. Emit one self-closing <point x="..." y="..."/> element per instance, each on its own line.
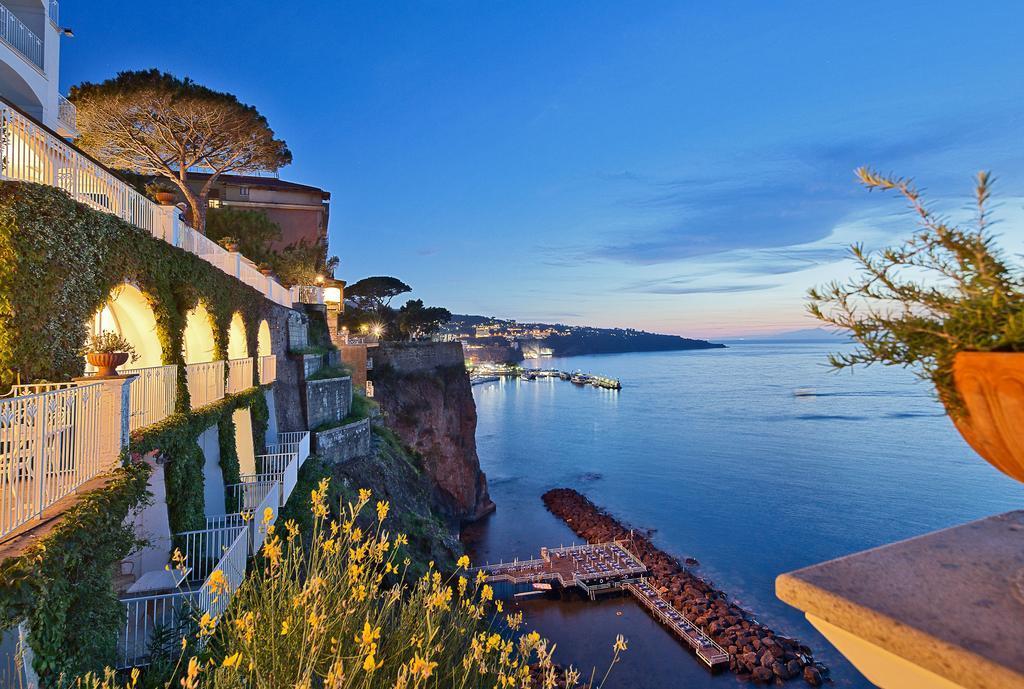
<point x="171" y="599"/>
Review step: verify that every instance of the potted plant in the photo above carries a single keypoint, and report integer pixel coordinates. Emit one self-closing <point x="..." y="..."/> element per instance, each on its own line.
<point x="107" y="351"/>
<point x="161" y="192"/>
<point x="229" y="243"/>
<point x="948" y="303"/>
<point x="266" y="269"/>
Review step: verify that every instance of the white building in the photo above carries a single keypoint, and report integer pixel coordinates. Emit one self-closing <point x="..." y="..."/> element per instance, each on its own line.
<point x="30" y="63"/>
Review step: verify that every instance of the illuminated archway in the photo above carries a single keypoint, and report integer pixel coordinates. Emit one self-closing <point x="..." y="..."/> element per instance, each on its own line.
<point x="197" y="343"/>
<point x="238" y="344"/>
<point x="128" y="313"/>
<point x="263" y="346"/>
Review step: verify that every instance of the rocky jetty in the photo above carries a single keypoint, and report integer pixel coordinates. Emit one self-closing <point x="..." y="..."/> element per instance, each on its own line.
<point x="756" y="653"/>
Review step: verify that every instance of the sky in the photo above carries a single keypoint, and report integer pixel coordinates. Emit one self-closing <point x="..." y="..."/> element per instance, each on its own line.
<point x="681" y="167"/>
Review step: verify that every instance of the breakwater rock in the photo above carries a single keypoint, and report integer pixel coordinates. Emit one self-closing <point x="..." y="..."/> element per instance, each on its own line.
<point x="755" y="652"/>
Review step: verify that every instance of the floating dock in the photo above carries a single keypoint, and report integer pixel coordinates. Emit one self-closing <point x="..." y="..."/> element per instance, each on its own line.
<point x="485" y="373"/>
<point x="602" y="568"/>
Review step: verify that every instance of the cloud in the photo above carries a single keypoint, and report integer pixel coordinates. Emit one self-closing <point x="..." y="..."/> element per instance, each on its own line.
<point x="776" y="197"/>
<point x="684" y="286"/>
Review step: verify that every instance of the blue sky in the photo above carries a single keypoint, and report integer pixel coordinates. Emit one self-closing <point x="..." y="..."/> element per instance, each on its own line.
<point x="683" y="167"/>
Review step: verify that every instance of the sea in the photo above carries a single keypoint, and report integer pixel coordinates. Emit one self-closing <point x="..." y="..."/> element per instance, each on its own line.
<point x="713" y="451"/>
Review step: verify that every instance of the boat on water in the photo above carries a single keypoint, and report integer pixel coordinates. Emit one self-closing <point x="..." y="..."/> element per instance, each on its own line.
<point x="804" y="392"/>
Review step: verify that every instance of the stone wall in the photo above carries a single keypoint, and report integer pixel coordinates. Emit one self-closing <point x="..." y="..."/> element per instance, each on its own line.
<point x="354" y="356"/>
<point x="342" y="444"/>
<point x="288" y="401"/>
<point x="311" y="363"/>
<point x="298" y="331"/>
<point x="327" y="401"/>
<point x="417" y="357"/>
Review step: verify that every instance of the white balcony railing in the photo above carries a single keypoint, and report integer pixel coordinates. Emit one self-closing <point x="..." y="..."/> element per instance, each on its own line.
<point x="239" y="375"/>
<point x="67" y="113"/>
<point x="268" y="368"/>
<point x="205" y="383"/>
<point x="55" y="11"/>
<point x="49" y="446"/>
<point x="151" y="396"/>
<point x="225" y="545"/>
<point x="226" y="550"/>
<point x="20" y="37"/>
<point x="33" y="153"/>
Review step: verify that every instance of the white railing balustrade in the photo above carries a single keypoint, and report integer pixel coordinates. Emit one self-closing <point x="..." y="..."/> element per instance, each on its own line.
<point x="307" y="294"/>
<point x="239" y="375"/>
<point x="175" y="612"/>
<point x="49" y="446"/>
<point x="275" y="463"/>
<point x="225" y="544"/>
<point x="204" y="549"/>
<point x="268" y="369"/>
<point x="67" y="113"/>
<point x="151" y="396"/>
<point x="20" y="37"/>
<point x="54" y="11"/>
<point x="205" y="383"/>
<point x="35" y="154"/>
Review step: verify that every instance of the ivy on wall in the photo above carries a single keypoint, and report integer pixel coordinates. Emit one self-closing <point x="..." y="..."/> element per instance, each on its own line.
<point x="59" y="261"/>
<point x="63" y="585"/>
<point x="177" y="438"/>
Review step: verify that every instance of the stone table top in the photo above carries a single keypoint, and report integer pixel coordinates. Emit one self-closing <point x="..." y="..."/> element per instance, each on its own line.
<point x="951" y="601"/>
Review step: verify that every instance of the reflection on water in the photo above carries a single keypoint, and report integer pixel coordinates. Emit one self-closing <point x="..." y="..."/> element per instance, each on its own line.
<point x="714" y="451"/>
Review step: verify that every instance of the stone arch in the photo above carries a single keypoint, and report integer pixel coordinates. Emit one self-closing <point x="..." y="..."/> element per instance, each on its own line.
<point x="198" y="344"/>
<point x="264" y="345"/>
<point x="238" y="344"/>
<point x="127" y="311"/>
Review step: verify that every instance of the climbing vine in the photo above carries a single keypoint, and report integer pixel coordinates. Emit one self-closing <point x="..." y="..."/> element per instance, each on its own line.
<point x="59" y="261"/>
<point x="177" y="438"/>
<point x="63" y="585"/>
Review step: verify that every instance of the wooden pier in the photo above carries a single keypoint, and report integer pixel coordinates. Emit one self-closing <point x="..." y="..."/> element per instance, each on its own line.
<point x="603" y="568"/>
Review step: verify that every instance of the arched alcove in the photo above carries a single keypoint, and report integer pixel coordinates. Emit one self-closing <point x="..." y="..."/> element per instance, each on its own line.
<point x="263" y="345"/>
<point x="238" y="344"/>
<point x="198" y="339"/>
<point x="128" y="313"/>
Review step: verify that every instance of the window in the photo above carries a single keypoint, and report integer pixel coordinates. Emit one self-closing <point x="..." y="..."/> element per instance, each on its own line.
<point x="213" y="203"/>
<point x="243" y="191"/>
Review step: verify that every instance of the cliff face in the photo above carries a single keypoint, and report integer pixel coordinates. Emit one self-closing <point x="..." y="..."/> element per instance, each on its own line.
<point x="424" y="392"/>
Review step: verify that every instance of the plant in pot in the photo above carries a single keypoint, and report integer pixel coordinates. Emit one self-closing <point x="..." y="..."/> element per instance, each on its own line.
<point x="266" y="269"/>
<point x="161" y="192"/>
<point x="229" y="243"/>
<point x="949" y="304"/>
<point x="107" y="351"/>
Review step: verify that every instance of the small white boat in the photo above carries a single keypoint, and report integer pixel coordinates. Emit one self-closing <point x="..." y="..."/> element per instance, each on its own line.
<point x="805" y="392"/>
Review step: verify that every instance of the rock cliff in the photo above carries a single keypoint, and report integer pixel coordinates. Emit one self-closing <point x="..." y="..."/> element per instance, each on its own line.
<point x="425" y="395"/>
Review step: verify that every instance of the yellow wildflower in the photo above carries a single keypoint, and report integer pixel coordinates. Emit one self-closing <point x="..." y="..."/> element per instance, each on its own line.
<point x="463" y="562"/>
<point x="421" y="667"/>
<point x="368" y="636"/>
<point x="620" y="643"/>
<point x="218" y="582"/>
<point x="285" y="627"/>
<point x="364" y="494"/>
<point x="369" y="665"/>
<point x="268" y="515"/>
<point x="382" y="510"/>
<point x="232" y="660"/>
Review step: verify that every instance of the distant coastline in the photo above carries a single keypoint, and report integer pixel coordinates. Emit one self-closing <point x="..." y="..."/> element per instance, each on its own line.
<point x="489" y="339"/>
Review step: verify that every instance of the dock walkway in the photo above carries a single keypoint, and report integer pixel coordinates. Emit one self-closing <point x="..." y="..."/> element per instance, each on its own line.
<point x="601" y="568"/>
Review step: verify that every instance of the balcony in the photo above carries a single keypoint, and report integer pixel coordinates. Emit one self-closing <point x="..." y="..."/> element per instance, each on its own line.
<point x="943" y="610"/>
<point x="67" y="114"/>
<point x="162" y="600"/>
<point x="21" y="38"/>
<point x="34" y="153"/>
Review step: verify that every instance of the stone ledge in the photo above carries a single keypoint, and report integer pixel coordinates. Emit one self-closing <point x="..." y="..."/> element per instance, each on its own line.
<point x="949" y="603"/>
<point x="343" y="443"/>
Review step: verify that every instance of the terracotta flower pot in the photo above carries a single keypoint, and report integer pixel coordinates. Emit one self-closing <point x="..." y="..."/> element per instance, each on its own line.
<point x="106" y="363"/>
<point x="164" y="198"/>
<point x="230" y="247"/>
<point x="991" y="385"/>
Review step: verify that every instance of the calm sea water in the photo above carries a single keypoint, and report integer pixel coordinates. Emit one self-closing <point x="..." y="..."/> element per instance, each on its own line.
<point x="713" y="451"/>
